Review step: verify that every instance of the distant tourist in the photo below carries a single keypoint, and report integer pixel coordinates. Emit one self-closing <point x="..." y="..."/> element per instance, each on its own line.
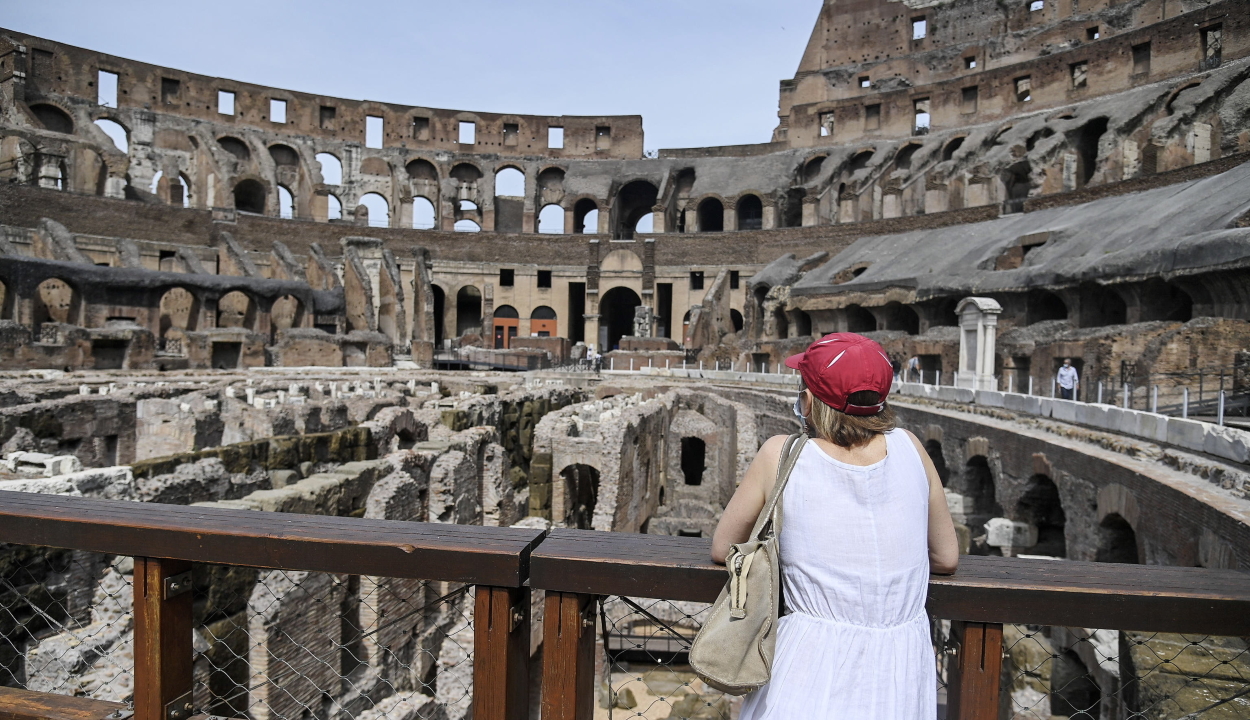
<point x="913" y="369"/>
<point x="864" y="521"/>
<point x="1068" y="380"/>
<point x="897" y="367"/>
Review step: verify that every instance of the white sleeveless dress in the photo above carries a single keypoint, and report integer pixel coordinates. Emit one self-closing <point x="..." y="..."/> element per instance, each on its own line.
<point x="855" y="568"/>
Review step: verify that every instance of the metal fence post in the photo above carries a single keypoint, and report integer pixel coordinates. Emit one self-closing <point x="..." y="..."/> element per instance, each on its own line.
<point x="501" y="653"/>
<point x="1154" y="399"/>
<point x="1185" y="403"/>
<point x="568" y="691"/>
<point x="162" y="640"/>
<point x="974" y="685"/>
<point x="1100" y="392"/>
<point x="1126" y="396"/>
<point x="1220" y="415"/>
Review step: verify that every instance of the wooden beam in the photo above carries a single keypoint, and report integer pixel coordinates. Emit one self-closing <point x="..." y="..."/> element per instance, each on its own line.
<point x="18" y="704"/>
<point x="501" y="653"/>
<point x="162" y="642"/>
<point x="568" y="691"/>
<point x="288" y="541"/>
<point x="974" y="682"/>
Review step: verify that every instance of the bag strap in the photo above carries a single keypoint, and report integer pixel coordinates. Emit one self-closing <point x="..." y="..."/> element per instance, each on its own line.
<point x="789" y="458"/>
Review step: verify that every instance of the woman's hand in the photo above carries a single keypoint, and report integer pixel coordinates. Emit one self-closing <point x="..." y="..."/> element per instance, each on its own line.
<point x="745" y="506"/>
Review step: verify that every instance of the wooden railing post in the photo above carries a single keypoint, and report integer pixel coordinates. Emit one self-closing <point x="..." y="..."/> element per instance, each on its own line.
<point x="568" y="691"/>
<point x="162" y="643"/>
<point x="501" y="653"/>
<point x="974" y="683"/>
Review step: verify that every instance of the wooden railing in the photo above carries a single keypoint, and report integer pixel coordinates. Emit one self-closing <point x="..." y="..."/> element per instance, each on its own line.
<point x="574" y="568"/>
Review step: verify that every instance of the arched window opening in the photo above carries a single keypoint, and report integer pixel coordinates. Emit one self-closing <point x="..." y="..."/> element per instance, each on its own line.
<point x="693" y="459"/>
<point x="551" y="220"/>
<point x="859" y="320"/>
<point x="901" y="317"/>
<point x="467" y="226"/>
<point x="902" y="160"/>
<point x="735" y="317"/>
<point x="802" y="323"/>
<point x="184" y="191"/>
<point x="617" y="310"/>
<point x="1086" y="142"/>
<point x="1101" y="306"/>
<point x="466" y="174"/>
<point x="1040" y="506"/>
<point x="235" y="147"/>
<point x="116" y="133"/>
<point x="507" y="322"/>
<point x="287" y="312"/>
<point x="422" y="170"/>
<point x="977" y="484"/>
<point x="510" y="182"/>
<point x="581" y="483"/>
<point x="711" y="215"/>
<point x="286" y="203"/>
<point x="1117" y="541"/>
<point x="543" y="322"/>
<point x="934" y="450"/>
<point x="236" y="310"/>
<point x="860" y="161"/>
<point x="781" y="322"/>
<point x="812" y="169"/>
<point x="179" y="310"/>
<point x="331" y="169"/>
<point x="468" y="310"/>
<point x="56" y="301"/>
<point x="646" y="225"/>
<point x="1043" y="305"/>
<point x="249" y="197"/>
<point x="750" y="213"/>
<point x="423" y="216"/>
<point x="1018" y="179"/>
<point x="685" y="325"/>
<point x="156" y="183"/>
<point x="53" y="118"/>
<point x="440" y="308"/>
<point x="284" y="155"/>
<point x="586" y="217"/>
<point x="378" y="209"/>
<point x="334" y="208"/>
<point x="1165" y="301"/>
<point x="633" y="203"/>
<point x="948" y="153"/>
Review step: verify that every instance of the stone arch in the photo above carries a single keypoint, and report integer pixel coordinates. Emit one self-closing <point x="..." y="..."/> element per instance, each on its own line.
<point x="543" y="321"/>
<point x="116" y="132"/>
<point x="586" y="216"/>
<point x="633" y="202"/>
<point x="1100" y="306"/>
<point x="468" y="310"/>
<point x="977" y="485"/>
<point x="581" y="486"/>
<point x="507" y="323"/>
<point x="424" y="213"/>
<point x="736" y="319"/>
<point x="948" y="152"/>
<point x="235" y="147"/>
<point x="551" y="220"/>
<point x="902" y="159"/>
<point x="53" y="118"/>
<point x="1161" y="300"/>
<point x="812" y="168"/>
<point x="1041" y="507"/>
<point x="331" y="168"/>
<point x="56" y="301"/>
<point x="551" y="185"/>
<point x="466" y="226"/>
<point x="284" y="155"/>
<point x="616" y="310"/>
<point x="250" y="196"/>
<point x="860" y="160"/>
<point x="897" y="316"/>
<point x="179" y="309"/>
<point x="374" y="209"/>
<point x="859" y="319"/>
<point x="466" y="173"/>
<point x="287" y="312"/>
<point x="711" y="215"/>
<point x="750" y="212"/>
<point x="421" y="169"/>
<point x="1043" y="305"/>
<point x="236" y="309"/>
<point x="933" y="447"/>
<point x="625" y="261"/>
<point x="1117" y="541"/>
<point x="510" y="182"/>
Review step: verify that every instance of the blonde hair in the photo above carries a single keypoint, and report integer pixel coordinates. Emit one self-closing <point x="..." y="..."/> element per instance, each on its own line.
<point x="850" y="431"/>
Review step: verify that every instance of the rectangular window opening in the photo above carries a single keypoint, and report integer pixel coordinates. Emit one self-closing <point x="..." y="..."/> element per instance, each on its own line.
<point x="468" y="133"/>
<point x="507" y="278"/>
<point x="373" y="131"/>
<point x="735" y="279"/>
<point x="696" y="279"/>
<point x="328" y="114"/>
<point x="1037" y="5"/>
<point x="544" y="278"/>
<point x="511" y="134"/>
<point x="864" y="81"/>
<point x="420" y="128"/>
<point x="919" y="28"/>
<point x="968" y="100"/>
<point x="225" y="102"/>
<point x="872" y="116"/>
<point x="106" y="93"/>
<point x="1092" y="33"/>
<point x="1080" y="71"/>
<point x="826" y="124"/>
<point x="1024" y="89"/>
<point x="1212" y="46"/>
<point x="277" y="111"/>
<point x="921" y="106"/>
<point x="970" y="63"/>
<point x="170" y="90"/>
<point x="1141" y="59"/>
<point x="603" y="138"/>
<point x="555" y="138"/>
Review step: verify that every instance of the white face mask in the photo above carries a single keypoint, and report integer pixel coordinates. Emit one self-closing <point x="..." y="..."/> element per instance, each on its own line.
<point x="798" y="412"/>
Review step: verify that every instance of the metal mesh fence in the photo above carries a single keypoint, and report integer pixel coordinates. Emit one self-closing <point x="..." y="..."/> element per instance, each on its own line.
<point x="274" y="644"/>
<point x="66" y="622"/>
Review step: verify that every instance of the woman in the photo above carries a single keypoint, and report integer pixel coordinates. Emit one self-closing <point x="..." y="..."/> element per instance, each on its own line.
<point x="864" y="521"/>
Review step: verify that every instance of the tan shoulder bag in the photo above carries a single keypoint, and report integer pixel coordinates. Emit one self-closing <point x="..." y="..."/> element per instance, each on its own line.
<point x="733" y="652"/>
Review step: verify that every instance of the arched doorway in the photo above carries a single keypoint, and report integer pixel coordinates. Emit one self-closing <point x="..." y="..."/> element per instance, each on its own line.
<point x="507" y="323"/>
<point x="616" y="316"/>
<point x="287" y="312"/>
<point x="56" y="301"/>
<point x="1117" y="541"/>
<point x="634" y="201"/>
<point x="440" y="305"/>
<point x="711" y="215"/>
<point x="543" y="322"/>
<point x="236" y="310"/>
<point x="859" y="320"/>
<point x="750" y="213"/>
<point x="1040" y="506"/>
<point x="693" y="460"/>
<point x="468" y="310"/>
<point x="249" y="196"/>
<point x="586" y="217"/>
<point x="581" y="483"/>
<point x="179" y="311"/>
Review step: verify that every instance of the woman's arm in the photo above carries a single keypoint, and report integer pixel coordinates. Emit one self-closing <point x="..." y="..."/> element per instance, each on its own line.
<point x="943" y="544"/>
<point x="745" y="506"/>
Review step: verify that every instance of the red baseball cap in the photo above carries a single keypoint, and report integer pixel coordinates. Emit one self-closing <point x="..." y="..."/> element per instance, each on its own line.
<point x="840" y="364"/>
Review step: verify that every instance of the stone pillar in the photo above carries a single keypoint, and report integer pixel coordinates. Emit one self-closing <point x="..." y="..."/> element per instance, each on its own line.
<point x="658" y="219"/>
<point x="50" y="172"/>
<point x="730" y="221"/>
<point x="770" y="214"/>
<point x="692" y="217"/>
<point x="978" y="320"/>
<point x="810" y="216"/>
<point x="569" y="221"/>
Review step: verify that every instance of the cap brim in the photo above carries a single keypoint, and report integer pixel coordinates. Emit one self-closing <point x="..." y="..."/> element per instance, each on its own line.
<point x="794" y="360"/>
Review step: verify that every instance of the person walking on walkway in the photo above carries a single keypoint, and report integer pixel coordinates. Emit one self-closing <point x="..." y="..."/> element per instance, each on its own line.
<point x="1068" y="379"/>
<point x="863" y="522"/>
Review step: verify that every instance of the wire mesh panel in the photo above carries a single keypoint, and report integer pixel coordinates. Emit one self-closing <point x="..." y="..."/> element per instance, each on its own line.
<point x="1109" y="675"/>
<point x="646" y="671"/>
<point x="66" y="622"/>
<point x="284" y="645"/>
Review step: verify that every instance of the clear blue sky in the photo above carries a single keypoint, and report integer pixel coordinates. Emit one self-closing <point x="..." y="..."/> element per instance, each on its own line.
<point x="700" y="72"/>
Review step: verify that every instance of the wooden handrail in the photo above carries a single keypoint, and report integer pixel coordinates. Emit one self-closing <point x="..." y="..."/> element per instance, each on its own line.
<point x="985" y="589"/>
<point x="471" y="554"/>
